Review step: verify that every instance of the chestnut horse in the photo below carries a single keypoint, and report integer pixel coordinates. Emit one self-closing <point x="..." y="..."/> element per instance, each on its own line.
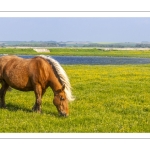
<point x="36" y="74"/>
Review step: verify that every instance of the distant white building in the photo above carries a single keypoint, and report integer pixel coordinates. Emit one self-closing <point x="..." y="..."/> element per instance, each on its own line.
<point x="41" y="50"/>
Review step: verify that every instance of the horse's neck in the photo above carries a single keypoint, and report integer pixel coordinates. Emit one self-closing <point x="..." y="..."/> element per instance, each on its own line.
<point x="54" y="83"/>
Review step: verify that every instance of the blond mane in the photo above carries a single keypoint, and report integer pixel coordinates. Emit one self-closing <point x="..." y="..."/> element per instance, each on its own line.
<point x="62" y="76"/>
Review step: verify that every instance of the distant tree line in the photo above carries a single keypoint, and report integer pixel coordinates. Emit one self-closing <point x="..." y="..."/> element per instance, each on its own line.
<point x="118" y="45"/>
<point x="143" y="45"/>
<point x="38" y="44"/>
<point x="35" y="44"/>
<point x="73" y="44"/>
<point x="105" y="45"/>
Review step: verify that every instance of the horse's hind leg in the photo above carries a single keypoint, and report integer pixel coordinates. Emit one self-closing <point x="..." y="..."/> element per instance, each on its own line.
<point x="3" y="90"/>
<point x="38" y="101"/>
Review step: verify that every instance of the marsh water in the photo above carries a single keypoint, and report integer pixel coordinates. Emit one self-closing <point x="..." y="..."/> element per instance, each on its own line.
<point x="96" y="60"/>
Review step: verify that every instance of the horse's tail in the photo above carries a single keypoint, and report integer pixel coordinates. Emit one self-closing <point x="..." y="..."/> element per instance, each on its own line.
<point x="1" y="81"/>
<point x="9" y="88"/>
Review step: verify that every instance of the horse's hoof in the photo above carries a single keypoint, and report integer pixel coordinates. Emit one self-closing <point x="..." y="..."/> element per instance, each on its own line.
<point x="36" y="110"/>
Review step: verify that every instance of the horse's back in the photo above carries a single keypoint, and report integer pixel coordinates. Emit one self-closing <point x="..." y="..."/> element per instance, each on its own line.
<point x="9" y="59"/>
<point x="24" y="74"/>
<point x="4" y="60"/>
<point x="12" y="70"/>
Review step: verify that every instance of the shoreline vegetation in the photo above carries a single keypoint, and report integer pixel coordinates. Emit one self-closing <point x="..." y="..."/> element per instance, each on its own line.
<point x="132" y="52"/>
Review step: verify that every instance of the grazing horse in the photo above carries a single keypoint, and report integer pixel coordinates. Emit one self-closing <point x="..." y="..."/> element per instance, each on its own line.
<point x="36" y="74"/>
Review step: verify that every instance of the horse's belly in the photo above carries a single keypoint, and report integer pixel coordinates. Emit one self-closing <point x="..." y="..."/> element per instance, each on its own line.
<point x="18" y="81"/>
<point x="19" y="84"/>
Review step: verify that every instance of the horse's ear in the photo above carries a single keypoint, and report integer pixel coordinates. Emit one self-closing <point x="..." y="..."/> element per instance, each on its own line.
<point x="63" y="87"/>
<point x="60" y="90"/>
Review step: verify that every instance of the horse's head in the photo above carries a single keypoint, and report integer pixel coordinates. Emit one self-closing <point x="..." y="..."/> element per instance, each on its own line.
<point x="61" y="102"/>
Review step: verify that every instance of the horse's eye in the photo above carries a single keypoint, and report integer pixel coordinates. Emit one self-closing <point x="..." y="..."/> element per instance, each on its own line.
<point x="61" y="98"/>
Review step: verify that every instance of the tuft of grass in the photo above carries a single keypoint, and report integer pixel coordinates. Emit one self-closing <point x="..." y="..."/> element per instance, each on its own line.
<point x="109" y="99"/>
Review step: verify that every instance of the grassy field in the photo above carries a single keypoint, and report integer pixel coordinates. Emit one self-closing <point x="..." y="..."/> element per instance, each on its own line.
<point x="96" y="52"/>
<point x="19" y="51"/>
<point x="109" y="99"/>
<point x="79" y="52"/>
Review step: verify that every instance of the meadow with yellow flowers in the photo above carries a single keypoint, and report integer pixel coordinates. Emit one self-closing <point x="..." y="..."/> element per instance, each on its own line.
<point x="108" y="99"/>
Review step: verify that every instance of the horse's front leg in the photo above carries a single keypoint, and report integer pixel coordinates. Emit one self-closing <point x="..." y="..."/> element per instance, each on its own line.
<point x="3" y="90"/>
<point x="38" y="94"/>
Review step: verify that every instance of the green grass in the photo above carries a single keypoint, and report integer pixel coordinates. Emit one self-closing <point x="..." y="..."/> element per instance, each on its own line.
<point x="109" y="99"/>
<point x="19" y="51"/>
<point x="96" y="52"/>
<point x="79" y="52"/>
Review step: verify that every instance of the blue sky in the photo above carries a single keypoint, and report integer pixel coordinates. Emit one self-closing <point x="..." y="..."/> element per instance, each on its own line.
<point x="96" y="29"/>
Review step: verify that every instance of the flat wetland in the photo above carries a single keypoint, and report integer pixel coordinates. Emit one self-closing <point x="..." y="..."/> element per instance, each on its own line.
<point x="79" y="52"/>
<point x="109" y="99"/>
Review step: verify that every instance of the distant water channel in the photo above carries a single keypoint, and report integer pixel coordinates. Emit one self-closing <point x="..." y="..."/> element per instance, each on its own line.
<point x="96" y="60"/>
